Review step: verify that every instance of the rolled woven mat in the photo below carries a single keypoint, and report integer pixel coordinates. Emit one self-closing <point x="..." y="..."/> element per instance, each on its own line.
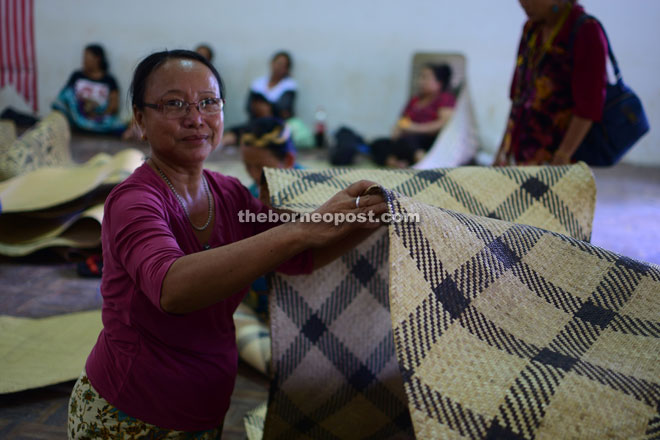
<point x="44" y="145"/>
<point x="252" y="339"/>
<point x="254" y="421"/>
<point x="7" y="134"/>
<point x="335" y="373"/>
<point x="49" y="187"/>
<point x="40" y="352"/>
<point x="510" y="331"/>
<point x="22" y="234"/>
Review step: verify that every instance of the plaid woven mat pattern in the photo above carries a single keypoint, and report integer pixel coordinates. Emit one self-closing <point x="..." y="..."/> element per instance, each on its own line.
<point x="335" y="370"/>
<point x="509" y="331"/>
<point x="559" y="199"/>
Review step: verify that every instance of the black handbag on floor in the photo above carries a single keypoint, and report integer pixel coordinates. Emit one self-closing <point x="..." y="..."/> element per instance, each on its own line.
<point x="623" y="123"/>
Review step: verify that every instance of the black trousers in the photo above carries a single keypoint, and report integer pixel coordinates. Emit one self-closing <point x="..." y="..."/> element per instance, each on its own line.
<point x="403" y="148"/>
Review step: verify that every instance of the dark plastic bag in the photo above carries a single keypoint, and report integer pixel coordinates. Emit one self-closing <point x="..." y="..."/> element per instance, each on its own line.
<point x="347" y="145"/>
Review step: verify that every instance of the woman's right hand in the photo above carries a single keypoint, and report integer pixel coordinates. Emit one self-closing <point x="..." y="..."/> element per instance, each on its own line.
<point x="340" y="207"/>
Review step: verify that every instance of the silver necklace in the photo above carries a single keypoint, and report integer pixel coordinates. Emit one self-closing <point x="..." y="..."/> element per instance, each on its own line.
<point x="180" y="199"/>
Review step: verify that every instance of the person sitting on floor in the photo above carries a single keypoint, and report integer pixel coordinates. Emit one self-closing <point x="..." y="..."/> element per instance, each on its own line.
<point x="421" y="120"/>
<point x="178" y="257"/>
<point x="278" y="87"/>
<point x="277" y="90"/>
<point x="90" y="98"/>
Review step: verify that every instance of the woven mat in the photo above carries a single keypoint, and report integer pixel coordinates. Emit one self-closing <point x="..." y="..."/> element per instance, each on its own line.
<point x="509" y="331"/>
<point x="254" y="421"/>
<point x="40" y="352"/>
<point x="252" y="339"/>
<point x="44" y="145"/>
<point x="22" y="234"/>
<point x="50" y="187"/>
<point x="45" y="351"/>
<point x="335" y="372"/>
<point x="334" y="364"/>
<point x="7" y="133"/>
<point x="560" y="199"/>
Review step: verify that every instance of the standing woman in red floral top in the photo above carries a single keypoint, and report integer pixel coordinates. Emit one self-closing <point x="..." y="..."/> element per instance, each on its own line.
<point x="557" y="93"/>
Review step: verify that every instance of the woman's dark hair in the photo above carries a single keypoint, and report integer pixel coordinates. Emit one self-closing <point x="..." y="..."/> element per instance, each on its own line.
<point x="285" y="54"/>
<point x="98" y="52"/>
<point x="442" y="73"/>
<point x="148" y="65"/>
<point x="271" y="134"/>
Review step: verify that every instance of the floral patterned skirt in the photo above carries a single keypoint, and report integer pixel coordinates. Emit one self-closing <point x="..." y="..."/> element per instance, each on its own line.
<point x="93" y="417"/>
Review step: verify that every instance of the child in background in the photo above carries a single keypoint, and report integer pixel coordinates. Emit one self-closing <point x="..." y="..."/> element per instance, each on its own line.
<point x="265" y="142"/>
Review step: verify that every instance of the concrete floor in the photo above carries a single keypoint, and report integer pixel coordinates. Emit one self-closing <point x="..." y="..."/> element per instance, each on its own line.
<point x="627" y="217"/>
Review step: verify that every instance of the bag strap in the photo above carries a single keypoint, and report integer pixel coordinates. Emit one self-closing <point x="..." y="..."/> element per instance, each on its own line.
<point x="581" y="19"/>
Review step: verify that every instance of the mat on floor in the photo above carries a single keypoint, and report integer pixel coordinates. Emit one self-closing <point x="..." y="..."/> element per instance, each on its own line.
<point x="509" y="331"/>
<point x="22" y="234"/>
<point x="334" y="365"/>
<point x="49" y="187"/>
<point x="45" y="351"/>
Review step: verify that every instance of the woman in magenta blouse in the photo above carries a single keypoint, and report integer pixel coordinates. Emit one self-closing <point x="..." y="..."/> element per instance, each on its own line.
<point x="177" y="262"/>
<point x="557" y="92"/>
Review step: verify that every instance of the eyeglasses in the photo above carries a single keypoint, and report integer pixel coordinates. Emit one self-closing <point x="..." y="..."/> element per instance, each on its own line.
<point x="177" y="108"/>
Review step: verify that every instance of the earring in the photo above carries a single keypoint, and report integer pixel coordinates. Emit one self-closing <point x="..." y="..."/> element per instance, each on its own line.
<point x="555" y="8"/>
<point x="143" y="137"/>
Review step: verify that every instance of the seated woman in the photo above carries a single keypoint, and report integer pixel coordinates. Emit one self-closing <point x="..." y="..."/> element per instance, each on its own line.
<point x="277" y="90"/>
<point x="421" y="120"/>
<point x="90" y="98"/>
<point x="278" y="87"/>
<point x="180" y="249"/>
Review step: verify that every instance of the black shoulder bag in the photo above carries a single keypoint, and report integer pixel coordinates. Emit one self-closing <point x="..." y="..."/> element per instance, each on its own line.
<point x="623" y="123"/>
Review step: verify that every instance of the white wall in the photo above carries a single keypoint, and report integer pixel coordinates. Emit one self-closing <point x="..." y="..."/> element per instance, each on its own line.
<point x="352" y="57"/>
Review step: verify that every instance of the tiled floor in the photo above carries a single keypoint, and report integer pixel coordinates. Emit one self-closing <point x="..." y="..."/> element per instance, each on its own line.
<point x="627" y="220"/>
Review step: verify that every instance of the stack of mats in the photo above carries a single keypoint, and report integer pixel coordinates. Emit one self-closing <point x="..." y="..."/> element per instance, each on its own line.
<point x="60" y="206"/>
<point x="47" y="201"/>
<point x="476" y="321"/>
